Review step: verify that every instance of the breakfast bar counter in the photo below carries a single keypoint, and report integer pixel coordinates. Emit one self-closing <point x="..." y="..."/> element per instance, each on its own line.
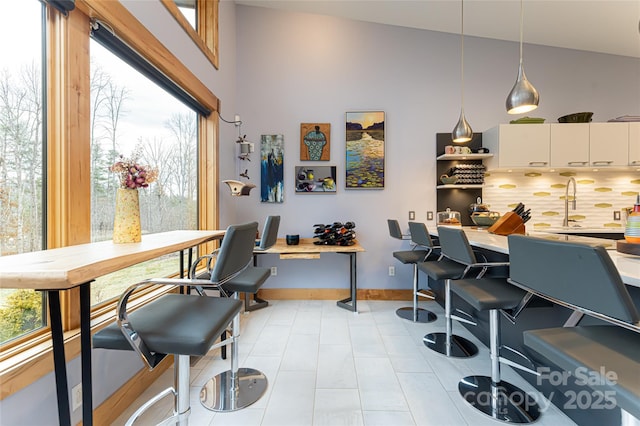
<point x="628" y="265"/>
<point x="541" y="314"/>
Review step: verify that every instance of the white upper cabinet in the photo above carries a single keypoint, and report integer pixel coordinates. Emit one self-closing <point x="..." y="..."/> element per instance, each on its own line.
<point x="517" y="145"/>
<point x="569" y="145"/>
<point x="563" y="145"/>
<point x="609" y="144"/>
<point x="634" y="144"/>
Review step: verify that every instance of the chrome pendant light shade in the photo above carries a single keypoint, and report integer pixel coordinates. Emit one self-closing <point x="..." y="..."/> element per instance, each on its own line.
<point x="523" y="96"/>
<point x="462" y="132"/>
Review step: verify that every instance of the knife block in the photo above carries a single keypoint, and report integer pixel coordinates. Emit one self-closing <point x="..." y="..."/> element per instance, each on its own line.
<point x="509" y="223"/>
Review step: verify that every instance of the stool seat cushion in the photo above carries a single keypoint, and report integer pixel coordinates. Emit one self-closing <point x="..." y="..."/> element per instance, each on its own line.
<point x="488" y="293"/>
<point x="174" y="324"/>
<point x="410" y="256"/>
<point x="442" y="269"/>
<point x="613" y="348"/>
<point x="248" y="281"/>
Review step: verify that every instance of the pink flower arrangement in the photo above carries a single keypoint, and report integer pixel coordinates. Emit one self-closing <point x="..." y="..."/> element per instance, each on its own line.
<point x="132" y="174"/>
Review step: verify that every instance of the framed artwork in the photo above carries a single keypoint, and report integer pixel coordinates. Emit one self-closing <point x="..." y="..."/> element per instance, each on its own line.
<point x="315" y="179"/>
<point x="315" y="141"/>
<point x="271" y="168"/>
<point x="365" y="150"/>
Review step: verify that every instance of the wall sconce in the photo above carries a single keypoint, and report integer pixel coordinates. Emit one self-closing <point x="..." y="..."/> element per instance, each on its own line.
<point x="239" y="188"/>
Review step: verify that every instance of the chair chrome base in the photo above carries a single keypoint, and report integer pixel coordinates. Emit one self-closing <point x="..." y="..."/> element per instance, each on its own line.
<point x="502" y="401"/>
<point x="423" y="315"/>
<point x="459" y="347"/>
<point x="222" y="393"/>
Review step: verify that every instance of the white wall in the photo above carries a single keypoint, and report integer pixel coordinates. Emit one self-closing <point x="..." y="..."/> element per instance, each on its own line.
<point x="298" y="68"/>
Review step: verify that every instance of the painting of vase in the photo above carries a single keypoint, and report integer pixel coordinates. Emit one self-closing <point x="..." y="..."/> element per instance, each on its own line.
<point x="272" y="168"/>
<point x="315" y="141"/>
<point x="365" y="150"/>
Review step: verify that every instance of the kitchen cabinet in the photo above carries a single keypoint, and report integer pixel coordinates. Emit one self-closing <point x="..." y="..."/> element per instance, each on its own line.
<point x="634" y="144"/>
<point x="569" y="145"/>
<point x="518" y="146"/>
<point x="609" y="144"/>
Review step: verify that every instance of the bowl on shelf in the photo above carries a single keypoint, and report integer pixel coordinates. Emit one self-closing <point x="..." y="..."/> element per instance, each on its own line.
<point x="485" y="219"/>
<point x="578" y="117"/>
<point x="448" y="180"/>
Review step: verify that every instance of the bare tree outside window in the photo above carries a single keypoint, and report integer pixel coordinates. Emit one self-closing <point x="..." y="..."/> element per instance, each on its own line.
<point x="21" y="158"/>
<point x="129" y="111"/>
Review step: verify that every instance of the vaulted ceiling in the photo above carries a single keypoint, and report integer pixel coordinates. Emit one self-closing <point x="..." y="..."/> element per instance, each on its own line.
<point x="604" y="26"/>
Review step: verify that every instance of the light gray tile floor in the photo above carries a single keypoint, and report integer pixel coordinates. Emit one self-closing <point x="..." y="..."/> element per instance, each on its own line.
<point x="328" y="366"/>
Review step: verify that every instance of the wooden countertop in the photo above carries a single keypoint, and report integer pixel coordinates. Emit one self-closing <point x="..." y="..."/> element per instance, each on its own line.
<point x="628" y="265"/>
<point x="307" y="250"/>
<point x="67" y="267"/>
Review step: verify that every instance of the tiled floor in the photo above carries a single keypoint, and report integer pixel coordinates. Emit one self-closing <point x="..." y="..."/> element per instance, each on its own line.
<point x="328" y="366"/>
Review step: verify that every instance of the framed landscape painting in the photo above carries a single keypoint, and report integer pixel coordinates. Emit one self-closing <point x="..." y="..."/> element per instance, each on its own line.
<point x="315" y="141"/>
<point x="365" y="150"/>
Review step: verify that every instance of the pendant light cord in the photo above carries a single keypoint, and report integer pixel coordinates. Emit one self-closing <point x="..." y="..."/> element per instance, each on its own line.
<point x="462" y="56"/>
<point x="521" y="28"/>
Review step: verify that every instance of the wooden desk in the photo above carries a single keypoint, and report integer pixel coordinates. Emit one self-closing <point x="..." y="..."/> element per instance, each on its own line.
<point x="307" y="250"/>
<point x="77" y="266"/>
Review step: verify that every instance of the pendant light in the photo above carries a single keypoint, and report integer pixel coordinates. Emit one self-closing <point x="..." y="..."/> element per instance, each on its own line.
<point x="523" y="97"/>
<point x="462" y="132"/>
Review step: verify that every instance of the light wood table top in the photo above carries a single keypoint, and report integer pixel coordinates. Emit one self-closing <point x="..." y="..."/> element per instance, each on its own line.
<point x="67" y="267"/>
<point x="307" y="250"/>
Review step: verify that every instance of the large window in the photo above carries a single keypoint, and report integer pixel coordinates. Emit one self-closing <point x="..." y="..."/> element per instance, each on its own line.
<point x="133" y="117"/>
<point x="95" y="108"/>
<point x="21" y="157"/>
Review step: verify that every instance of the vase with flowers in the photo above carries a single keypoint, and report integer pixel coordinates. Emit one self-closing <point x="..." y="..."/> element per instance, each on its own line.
<point x="132" y="176"/>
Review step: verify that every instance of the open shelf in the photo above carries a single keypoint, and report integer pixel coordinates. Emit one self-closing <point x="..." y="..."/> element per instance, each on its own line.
<point x="460" y="186"/>
<point x="463" y="156"/>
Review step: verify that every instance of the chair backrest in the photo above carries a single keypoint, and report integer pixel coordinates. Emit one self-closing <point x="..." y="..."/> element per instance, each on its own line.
<point x="455" y="245"/>
<point x="420" y="235"/>
<point x="394" y="229"/>
<point x="269" y="232"/>
<point x="236" y="251"/>
<point x="576" y="273"/>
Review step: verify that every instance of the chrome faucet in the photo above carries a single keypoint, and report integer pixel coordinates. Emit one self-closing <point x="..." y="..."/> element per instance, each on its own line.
<point x="565" y="222"/>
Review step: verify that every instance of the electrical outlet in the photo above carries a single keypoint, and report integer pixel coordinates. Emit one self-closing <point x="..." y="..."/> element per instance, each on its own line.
<point x="412" y="215"/>
<point x="616" y="215"/>
<point x="429" y="215"/>
<point x="392" y="271"/>
<point x="274" y="271"/>
<point x="76" y="397"/>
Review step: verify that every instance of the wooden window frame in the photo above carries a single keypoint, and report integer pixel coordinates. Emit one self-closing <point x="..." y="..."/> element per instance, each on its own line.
<point x="68" y="155"/>
<point x="205" y="35"/>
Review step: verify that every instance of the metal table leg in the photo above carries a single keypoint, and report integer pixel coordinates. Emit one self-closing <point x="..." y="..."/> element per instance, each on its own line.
<point x="59" y="361"/>
<point x="85" y="354"/>
<point x="344" y="303"/>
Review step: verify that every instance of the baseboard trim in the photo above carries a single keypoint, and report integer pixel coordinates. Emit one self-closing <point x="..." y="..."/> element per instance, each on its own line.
<point x="333" y="294"/>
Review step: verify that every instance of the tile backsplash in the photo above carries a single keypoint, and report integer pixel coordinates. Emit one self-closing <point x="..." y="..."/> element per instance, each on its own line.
<point x="598" y="195"/>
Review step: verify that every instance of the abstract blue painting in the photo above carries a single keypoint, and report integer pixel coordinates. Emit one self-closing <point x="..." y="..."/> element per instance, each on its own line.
<point x="272" y="168"/>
